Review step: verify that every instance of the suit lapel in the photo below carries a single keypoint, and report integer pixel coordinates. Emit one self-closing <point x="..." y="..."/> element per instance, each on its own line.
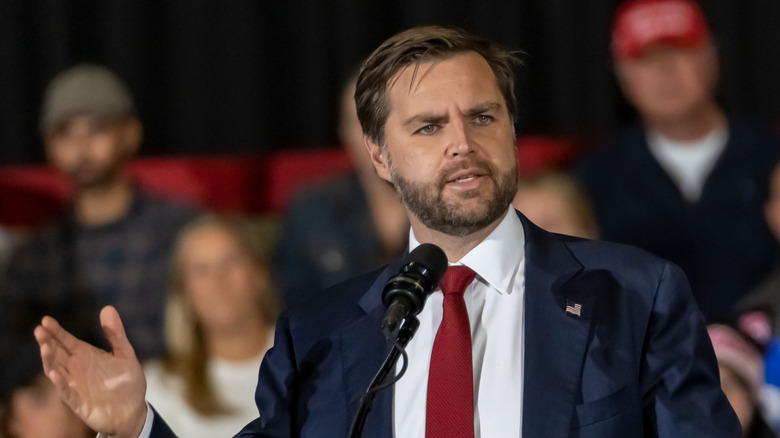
<point x="364" y="349"/>
<point x="555" y="340"/>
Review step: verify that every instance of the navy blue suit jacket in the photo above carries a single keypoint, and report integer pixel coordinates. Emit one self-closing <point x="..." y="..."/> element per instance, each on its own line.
<point x="637" y="362"/>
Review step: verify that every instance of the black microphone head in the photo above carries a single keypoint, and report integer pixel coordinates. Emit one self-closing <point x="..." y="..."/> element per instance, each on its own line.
<point x="419" y="275"/>
<point x="427" y="258"/>
<point x="405" y="293"/>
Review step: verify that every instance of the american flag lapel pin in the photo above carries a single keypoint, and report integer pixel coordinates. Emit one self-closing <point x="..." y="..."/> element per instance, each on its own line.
<point x="573" y="308"/>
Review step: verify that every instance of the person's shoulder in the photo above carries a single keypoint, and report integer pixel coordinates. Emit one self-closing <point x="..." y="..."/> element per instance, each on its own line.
<point x="37" y="244"/>
<point x="163" y="210"/>
<point x="337" y="305"/>
<point x="620" y="260"/>
<point x="335" y="185"/>
<point x="43" y="235"/>
<point x="349" y="291"/>
<point x="739" y="122"/>
<point x="617" y="148"/>
<point x="626" y="277"/>
<point x="753" y="134"/>
<point x="331" y="193"/>
<point x="159" y="203"/>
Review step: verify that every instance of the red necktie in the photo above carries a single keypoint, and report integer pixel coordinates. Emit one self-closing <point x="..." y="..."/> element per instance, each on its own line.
<point x="450" y="412"/>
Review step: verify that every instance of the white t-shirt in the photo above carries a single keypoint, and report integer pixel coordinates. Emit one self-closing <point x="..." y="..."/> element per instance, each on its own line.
<point x="233" y="382"/>
<point x="688" y="163"/>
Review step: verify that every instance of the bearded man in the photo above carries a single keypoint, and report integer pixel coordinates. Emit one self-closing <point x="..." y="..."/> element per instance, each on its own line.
<point x="543" y="335"/>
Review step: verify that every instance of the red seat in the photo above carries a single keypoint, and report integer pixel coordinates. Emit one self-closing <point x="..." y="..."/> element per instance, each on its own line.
<point x="290" y="171"/>
<point x="536" y="153"/>
<point x="31" y="195"/>
<point x="35" y="194"/>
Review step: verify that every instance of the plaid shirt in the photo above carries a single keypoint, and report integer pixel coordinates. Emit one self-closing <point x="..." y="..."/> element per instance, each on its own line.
<point x="70" y="271"/>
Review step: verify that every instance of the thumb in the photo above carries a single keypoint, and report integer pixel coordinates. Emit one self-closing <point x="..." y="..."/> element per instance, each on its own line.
<point x="115" y="332"/>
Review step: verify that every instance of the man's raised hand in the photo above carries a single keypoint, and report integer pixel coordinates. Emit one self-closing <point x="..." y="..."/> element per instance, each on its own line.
<point x="106" y="390"/>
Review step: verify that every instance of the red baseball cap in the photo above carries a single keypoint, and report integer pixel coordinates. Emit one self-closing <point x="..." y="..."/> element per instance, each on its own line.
<point x="640" y="23"/>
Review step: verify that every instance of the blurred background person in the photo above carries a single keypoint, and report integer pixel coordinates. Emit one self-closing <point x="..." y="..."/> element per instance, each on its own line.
<point x="554" y="201"/>
<point x="342" y="227"/>
<point x="111" y="246"/>
<point x="29" y="404"/>
<point x="742" y="377"/>
<point x="766" y="298"/>
<point x="767" y="294"/>
<point x="688" y="181"/>
<point x="219" y="323"/>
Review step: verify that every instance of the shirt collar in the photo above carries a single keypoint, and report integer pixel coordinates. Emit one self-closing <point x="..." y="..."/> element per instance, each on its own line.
<point x="497" y="258"/>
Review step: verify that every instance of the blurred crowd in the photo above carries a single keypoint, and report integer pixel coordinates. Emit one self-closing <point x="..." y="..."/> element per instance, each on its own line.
<point x="199" y="292"/>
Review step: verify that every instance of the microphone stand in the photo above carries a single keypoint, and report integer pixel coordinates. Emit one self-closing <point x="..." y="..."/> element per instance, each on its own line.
<point x="405" y="334"/>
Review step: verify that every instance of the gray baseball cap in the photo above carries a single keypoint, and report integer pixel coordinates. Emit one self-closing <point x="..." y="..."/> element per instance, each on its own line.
<point x="84" y="89"/>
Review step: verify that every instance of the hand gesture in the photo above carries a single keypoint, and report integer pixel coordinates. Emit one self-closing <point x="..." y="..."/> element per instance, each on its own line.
<point x="106" y="390"/>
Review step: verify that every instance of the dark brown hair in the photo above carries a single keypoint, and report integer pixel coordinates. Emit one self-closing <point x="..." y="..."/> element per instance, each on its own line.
<point x="416" y="45"/>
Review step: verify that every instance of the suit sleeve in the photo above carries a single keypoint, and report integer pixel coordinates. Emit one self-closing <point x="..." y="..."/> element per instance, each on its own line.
<point x="680" y="380"/>
<point x="275" y="389"/>
<point x="159" y="428"/>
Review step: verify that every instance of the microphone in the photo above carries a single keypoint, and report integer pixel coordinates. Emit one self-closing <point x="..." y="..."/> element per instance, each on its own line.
<point x="405" y="294"/>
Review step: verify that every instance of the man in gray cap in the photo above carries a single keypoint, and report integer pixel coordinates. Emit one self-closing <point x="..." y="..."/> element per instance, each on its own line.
<point x="112" y="245"/>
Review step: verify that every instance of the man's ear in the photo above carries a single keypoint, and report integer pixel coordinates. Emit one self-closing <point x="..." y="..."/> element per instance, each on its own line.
<point x="378" y="158"/>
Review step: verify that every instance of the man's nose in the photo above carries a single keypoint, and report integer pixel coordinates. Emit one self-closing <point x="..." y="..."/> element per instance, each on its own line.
<point x="460" y="143"/>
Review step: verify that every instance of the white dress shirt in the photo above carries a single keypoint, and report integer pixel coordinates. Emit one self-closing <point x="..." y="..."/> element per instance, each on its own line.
<point x="495" y="304"/>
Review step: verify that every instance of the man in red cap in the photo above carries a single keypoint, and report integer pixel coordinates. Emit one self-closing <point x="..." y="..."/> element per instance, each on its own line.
<point x="688" y="181"/>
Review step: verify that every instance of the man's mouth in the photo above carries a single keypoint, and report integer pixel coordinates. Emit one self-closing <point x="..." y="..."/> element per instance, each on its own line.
<point x="465" y="175"/>
<point x="466" y="179"/>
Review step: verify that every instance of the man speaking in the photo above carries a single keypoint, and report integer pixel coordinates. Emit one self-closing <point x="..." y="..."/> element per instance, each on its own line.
<point x="533" y="335"/>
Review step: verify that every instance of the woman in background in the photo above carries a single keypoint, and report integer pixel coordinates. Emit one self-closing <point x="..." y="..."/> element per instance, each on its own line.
<point x="219" y="323"/>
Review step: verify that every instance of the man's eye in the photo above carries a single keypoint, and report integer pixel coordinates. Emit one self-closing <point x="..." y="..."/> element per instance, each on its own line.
<point x="427" y="130"/>
<point x="484" y="119"/>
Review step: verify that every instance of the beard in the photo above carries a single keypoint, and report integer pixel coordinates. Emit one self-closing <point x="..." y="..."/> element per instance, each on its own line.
<point x="87" y="175"/>
<point x="426" y="201"/>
